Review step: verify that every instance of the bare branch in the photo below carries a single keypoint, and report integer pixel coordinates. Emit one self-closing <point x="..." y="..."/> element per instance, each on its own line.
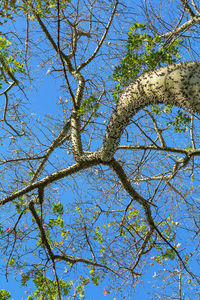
<point x="56" y="143"/>
<point x="4" y="116"/>
<point x="158" y="131"/>
<point x="142" y="248"/>
<point x="192" y="133"/>
<point x="188" y="8"/>
<point x="187" y="25"/>
<point x="166" y="149"/>
<point x="102" y="39"/>
<point x="51" y="40"/>
<point x="45" y="242"/>
<point x="195" y="7"/>
<point x="8" y="88"/>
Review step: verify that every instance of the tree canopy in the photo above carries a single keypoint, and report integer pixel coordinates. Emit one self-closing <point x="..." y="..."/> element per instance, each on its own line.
<point x="100" y="148"/>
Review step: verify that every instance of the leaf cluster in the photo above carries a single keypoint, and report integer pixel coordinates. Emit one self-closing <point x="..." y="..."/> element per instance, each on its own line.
<point x="9" y="63"/>
<point x="89" y="104"/>
<point x="4" y="295"/>
<point x="180" y="122"/>
<point x="143" y="53"/>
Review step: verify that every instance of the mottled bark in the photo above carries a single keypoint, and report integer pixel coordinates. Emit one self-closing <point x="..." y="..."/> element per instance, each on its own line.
<point x="175" y="84"/>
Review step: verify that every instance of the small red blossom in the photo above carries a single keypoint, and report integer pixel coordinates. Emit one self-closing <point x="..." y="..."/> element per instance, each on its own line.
<point x="8" y="229"/>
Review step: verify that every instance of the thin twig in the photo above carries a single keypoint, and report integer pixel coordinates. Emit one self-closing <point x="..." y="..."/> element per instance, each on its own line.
<point x="101" y="41"/>
<point x="4" y="116"/>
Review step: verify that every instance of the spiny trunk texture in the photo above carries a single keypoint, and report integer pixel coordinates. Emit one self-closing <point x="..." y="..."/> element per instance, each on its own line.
<point x="175" y="84"/>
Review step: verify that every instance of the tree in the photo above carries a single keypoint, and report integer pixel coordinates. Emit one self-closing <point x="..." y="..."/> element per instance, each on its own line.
<point x="114" y="201"/>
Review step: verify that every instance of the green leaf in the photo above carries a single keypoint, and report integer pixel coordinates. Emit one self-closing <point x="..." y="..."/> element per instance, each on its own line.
<point x="4" y="295"/>
<point x="58" y="209"/>
<point x="143" y="53"/>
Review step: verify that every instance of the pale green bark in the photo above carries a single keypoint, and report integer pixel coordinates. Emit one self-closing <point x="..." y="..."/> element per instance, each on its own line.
<point x="175" y="84"/>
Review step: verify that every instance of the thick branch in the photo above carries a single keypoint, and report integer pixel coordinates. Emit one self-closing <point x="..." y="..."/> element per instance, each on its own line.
<point x="167" y="149"/>
<point x="188" y="8"/>
<point x="195" y="7"/>
<point x="187" y="25"/>
<point x="131" y="191"/>
<point x="51" y="178"/>
<point x="175" y="84"/>
<point x="75" y="136"/>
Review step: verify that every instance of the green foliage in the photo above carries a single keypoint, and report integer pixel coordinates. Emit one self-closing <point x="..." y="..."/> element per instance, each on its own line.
<point x="181" y="122"/>
<point x="98" y="235"/>
<point x="4" y="295"/>
<point x="12" y="261"/>
<point x="1" y="229"/>
<point x="89" y="104"/>
<point x="43" y="7"/>
<point x="168" y="253"/>
<point x="143" y="53"/>
<point x="10" y="63"/>
<point x="95" y="277"/>
<point x="7" y="8"/>
<point x="46" y="288"/>
<point x="13" y="65"/>
<point x="56" y="222"/>
<point x="4" y="45"/>
<point x="134" y="223"/>
<point x="158" y="110"/>
<point x="165" y="253"/>
<point x="30" y="298"/>
<point x="81" y="291"/>
<point x="20" y="205"/>
<point x="58" y="209"/>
